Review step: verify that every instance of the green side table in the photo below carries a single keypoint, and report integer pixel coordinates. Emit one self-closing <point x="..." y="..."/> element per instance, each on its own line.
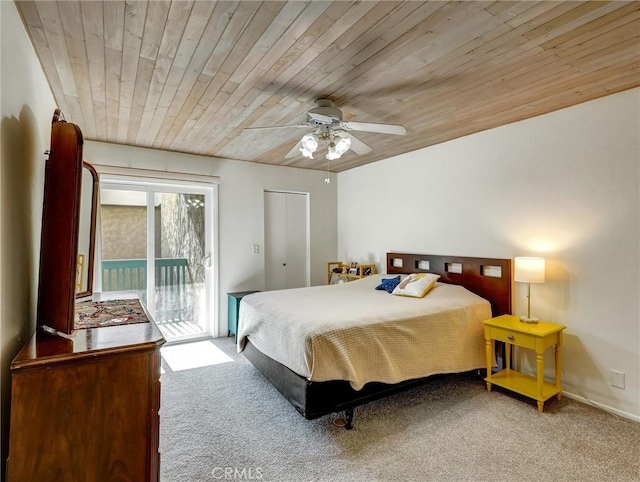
<point x="233" y="309"/>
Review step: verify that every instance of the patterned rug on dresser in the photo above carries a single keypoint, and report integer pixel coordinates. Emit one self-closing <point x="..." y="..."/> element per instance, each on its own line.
<point x="98" y="314"/>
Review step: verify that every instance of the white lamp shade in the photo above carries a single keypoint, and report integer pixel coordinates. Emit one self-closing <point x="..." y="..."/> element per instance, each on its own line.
<point x="310" y="142"/>
<point x="332" y="153"/>
<point x="529" y="270"/>
<point x="306" y="152"/>
<point x="343" y="145"/>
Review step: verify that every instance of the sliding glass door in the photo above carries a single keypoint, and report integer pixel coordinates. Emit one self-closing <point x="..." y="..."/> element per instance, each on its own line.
<point x="156" y="239"/>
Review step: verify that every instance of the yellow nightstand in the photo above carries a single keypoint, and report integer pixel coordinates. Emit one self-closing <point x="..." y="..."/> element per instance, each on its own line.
<point x="535" y="336"/>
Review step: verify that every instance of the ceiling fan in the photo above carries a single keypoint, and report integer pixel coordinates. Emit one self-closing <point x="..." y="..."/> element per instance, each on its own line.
<point x="329" y="128"/>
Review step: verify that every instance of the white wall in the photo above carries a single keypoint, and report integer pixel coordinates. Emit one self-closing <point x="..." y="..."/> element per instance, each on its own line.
<point x="26" y="109"/>
<point x="241" y="209"/>
<point x="564" y="186"/>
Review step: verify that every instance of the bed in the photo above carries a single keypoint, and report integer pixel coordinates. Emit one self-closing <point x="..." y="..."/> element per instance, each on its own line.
<point x="331" y="348"/>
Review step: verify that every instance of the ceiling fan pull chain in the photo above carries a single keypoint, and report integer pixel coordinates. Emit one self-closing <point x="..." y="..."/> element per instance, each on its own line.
<point x="327" y="180"/>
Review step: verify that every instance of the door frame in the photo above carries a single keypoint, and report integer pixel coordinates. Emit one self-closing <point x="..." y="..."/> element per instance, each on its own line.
<point x="151" y="185"/>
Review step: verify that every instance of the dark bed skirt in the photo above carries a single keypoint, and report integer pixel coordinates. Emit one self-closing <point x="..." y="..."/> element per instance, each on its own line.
<point x="315" y="399"/>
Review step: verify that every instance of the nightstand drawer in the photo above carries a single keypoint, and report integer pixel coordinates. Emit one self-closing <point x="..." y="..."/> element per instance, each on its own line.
<point x="516" y="338"/>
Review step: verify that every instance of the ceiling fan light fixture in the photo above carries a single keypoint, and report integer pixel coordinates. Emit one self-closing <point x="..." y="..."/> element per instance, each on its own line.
<point x="309" y="142"/>
<point x="330" y="128"/>
<point x="308" y="145"/>
<point x="343" y="145"/>
<point x="332" y="152"/>
<point x="306" y="153"/>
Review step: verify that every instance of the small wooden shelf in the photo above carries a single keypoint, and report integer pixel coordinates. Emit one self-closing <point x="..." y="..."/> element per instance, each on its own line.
<point x="362" y="270"/>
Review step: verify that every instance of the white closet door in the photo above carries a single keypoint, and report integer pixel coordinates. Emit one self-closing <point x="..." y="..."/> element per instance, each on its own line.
<point x="285" y="240"/>
<point x="275" y="241"/>
<point x="296" y="240"/>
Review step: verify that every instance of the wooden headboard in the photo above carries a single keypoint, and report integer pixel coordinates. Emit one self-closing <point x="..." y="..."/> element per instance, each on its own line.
<point x="489" y="278"/>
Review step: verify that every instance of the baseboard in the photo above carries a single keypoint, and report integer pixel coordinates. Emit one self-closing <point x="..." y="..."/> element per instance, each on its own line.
<point x="602" y="406"/>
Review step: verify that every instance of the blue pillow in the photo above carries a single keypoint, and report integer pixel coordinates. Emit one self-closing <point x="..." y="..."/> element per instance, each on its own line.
<point x="389" y="284"/>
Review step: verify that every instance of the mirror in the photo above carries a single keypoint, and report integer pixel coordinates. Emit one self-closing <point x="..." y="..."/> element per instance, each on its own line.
<point x="87" y="231"/>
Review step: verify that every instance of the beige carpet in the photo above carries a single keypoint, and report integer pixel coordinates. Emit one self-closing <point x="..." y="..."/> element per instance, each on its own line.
<point x="226" y="422"/>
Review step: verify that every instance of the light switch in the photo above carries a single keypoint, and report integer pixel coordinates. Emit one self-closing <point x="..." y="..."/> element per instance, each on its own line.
<point x="256" y="249"/>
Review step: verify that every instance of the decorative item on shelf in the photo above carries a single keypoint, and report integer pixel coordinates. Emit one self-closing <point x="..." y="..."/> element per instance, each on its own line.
<point x="334" y="268"/>
<point x="529" y="270"/>
<point x="339" y="272"/>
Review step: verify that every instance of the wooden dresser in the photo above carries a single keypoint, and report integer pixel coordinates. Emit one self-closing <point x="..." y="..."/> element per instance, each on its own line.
<point x="86" y="408"/>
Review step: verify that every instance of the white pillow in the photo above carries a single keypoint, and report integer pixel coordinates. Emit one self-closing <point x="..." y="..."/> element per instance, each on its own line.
<point x="416" y="285"/>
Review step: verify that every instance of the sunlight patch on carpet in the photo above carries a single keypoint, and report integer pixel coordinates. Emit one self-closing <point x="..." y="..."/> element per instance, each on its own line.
<point x="193" y="355"/>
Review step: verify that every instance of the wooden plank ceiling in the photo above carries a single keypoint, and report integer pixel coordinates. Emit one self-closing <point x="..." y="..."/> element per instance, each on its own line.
<point x="190" y="76"/>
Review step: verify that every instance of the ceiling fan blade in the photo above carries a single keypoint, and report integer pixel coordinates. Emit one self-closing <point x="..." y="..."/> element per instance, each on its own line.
<point x="371" y="127"/>
<point x="295" y="151"/>
<point x="277" y="127"/>
<point x="357" y="145"/>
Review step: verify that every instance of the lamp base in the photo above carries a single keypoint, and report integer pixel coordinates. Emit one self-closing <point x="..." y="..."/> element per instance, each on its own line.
<point x="528" y="319"/>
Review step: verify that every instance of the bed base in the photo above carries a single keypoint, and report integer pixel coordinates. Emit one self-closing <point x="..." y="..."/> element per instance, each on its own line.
<point x="316" y="399"/>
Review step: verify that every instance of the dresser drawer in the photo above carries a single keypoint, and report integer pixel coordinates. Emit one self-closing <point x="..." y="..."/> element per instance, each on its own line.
<point x="516" y="338"/>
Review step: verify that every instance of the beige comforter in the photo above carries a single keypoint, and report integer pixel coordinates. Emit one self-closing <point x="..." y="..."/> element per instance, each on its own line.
<point x="356" y="333"/>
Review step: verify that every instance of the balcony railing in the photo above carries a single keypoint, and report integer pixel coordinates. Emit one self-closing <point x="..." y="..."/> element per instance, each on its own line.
<point x="177" y="301"/>
<point x="131" y="274"/>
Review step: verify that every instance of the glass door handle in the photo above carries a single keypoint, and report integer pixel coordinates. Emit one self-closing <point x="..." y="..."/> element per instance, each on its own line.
<point x="207" y="261"/>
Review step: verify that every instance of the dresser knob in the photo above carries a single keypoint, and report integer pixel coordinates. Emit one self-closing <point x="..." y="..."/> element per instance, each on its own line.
<point x="510" y="336"/>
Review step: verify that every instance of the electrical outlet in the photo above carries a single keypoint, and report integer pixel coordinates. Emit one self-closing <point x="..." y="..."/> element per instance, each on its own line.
<point x="617" y="379"/>
<point x="256" y="249"/>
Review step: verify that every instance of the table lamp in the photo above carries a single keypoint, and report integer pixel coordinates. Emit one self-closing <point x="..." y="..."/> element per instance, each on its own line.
<point x="529" y="270"/>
